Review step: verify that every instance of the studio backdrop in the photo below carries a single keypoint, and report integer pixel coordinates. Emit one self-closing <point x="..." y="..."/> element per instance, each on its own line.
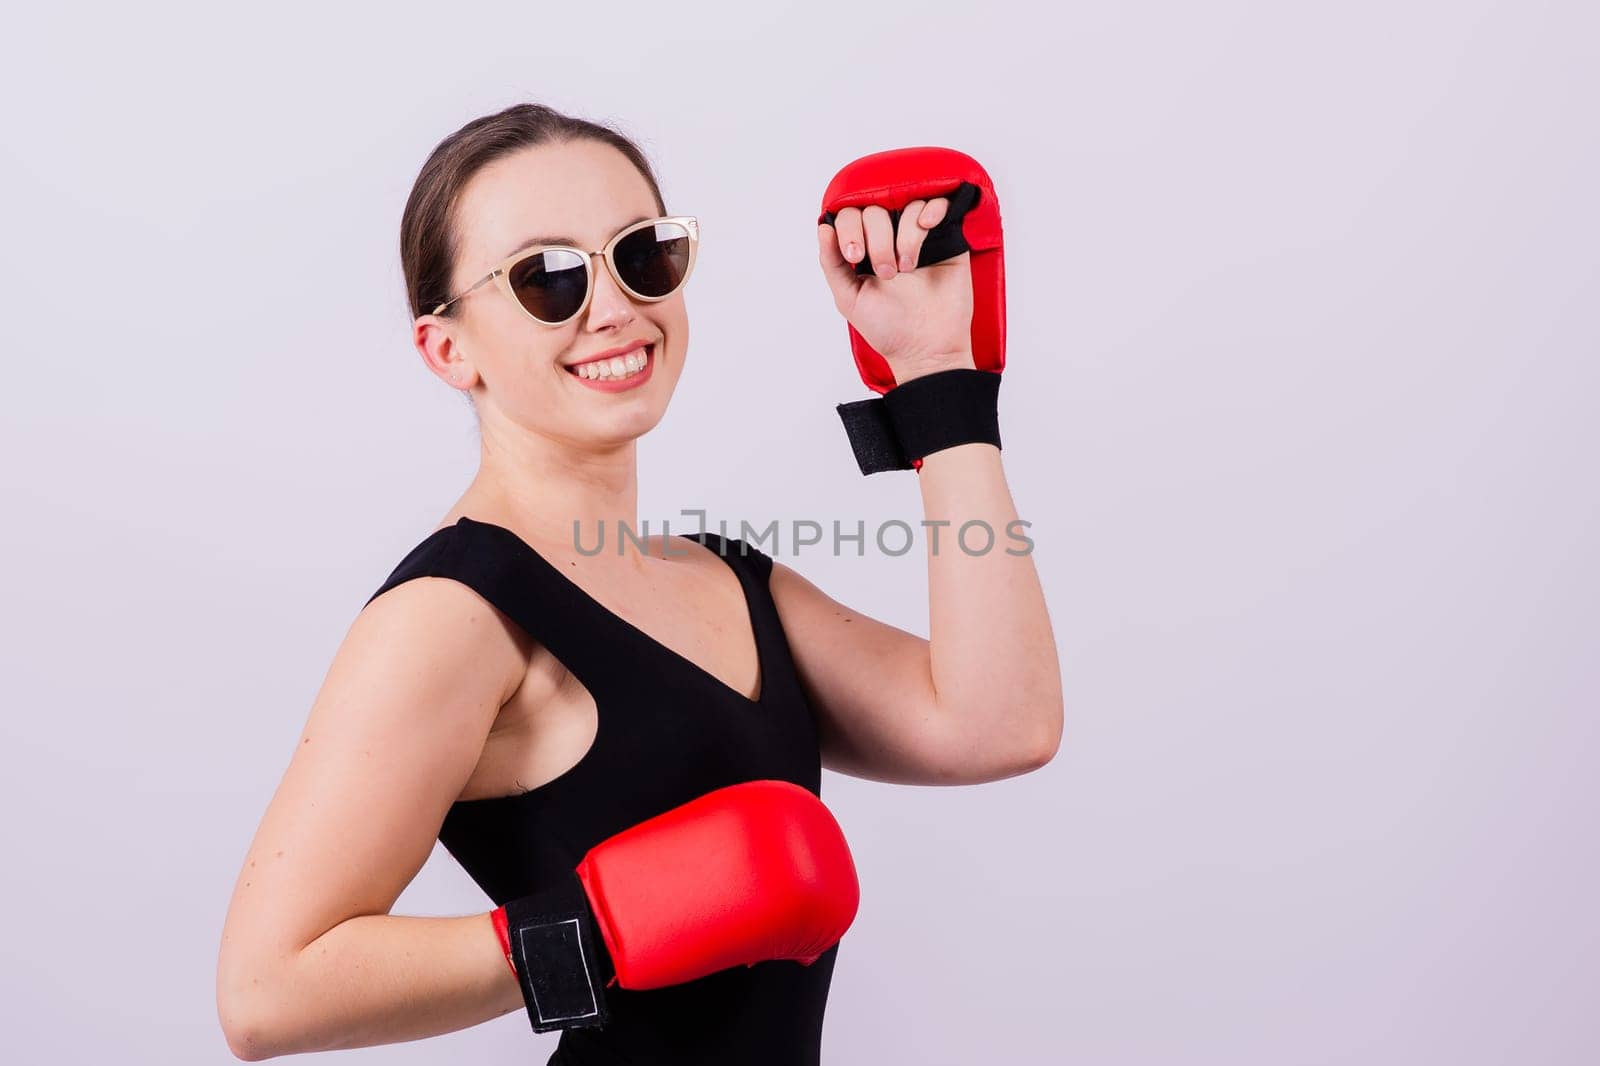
<point x="1299" y="407"/>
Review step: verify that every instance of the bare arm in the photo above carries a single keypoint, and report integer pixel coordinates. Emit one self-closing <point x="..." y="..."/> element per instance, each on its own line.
<point x="979" y="701"/>
<point x="311" y="959"/>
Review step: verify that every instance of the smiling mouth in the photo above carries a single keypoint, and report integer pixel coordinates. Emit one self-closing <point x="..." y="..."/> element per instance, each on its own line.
<point x="617" y="368"/>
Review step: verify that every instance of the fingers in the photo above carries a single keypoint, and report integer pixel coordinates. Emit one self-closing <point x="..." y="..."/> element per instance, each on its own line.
<point x="869" y="232"/>
<point x="852" y="242"/>
<point x="912" y="232"/>
<point x="836" y="270"/>
<point x="880" y="240"/>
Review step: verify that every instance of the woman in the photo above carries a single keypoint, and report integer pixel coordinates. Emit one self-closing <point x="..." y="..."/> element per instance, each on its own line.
<point x="522" y="700"/>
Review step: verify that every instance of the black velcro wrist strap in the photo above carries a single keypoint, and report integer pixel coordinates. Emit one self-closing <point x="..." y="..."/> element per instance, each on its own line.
<point x="561" y="961"/>
<point x="944" y="409"/>
<point x="872" y="438"/>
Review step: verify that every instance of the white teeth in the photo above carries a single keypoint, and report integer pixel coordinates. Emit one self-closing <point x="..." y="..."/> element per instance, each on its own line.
<point x="618" y="366"/>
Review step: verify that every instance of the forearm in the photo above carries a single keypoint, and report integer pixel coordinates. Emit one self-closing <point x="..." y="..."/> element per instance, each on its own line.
<point x="993" y="653"/>
<point x="372" y="979"/>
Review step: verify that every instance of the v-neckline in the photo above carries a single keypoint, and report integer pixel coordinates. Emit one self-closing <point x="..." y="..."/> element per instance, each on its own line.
<point x="750" y="610"/>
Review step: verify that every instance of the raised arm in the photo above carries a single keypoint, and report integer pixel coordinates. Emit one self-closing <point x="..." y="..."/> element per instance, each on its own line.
<point x="311" y="959"/>
<point x="982" y="699"/>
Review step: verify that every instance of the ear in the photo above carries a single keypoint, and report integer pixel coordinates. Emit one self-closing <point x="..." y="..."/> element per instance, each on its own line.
<point x="435" y="340"/>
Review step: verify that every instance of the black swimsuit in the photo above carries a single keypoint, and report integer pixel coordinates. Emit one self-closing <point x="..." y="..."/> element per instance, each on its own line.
<point x="668" y="732"/>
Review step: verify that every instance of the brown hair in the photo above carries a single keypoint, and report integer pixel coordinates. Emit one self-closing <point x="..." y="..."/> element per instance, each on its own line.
<point x="429" y="241"/>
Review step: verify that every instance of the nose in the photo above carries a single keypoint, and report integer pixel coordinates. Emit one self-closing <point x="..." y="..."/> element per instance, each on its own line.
<point x="609" y="305"/>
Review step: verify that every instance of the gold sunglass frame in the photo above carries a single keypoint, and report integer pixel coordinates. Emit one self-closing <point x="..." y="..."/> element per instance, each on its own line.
<point x="501" y="274"/>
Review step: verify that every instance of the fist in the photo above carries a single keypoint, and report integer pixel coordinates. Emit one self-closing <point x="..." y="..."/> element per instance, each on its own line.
<point x="918" y="318"/>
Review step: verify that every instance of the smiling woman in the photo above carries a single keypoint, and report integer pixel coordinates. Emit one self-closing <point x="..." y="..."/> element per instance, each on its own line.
<point x="540" y="712"/>
<point x="430" y="236"/>
<point x="623" y="749"/>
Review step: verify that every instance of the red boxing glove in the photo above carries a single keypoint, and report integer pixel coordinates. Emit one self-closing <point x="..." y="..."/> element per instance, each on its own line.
<point x="894" y="430"/>
<point x="892" y="180"/>
<point x="752" y="872"/>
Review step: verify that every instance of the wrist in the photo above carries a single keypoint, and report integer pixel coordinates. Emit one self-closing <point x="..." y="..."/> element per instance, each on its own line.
<point x="944" y="410"/>
<point x="910" y="369"/>
<point x="557" y="953"/>
<point x="502" y="932"/>
<point x="925" y="414"/>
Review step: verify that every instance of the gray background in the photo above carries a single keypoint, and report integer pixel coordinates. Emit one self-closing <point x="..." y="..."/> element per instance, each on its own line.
<point x="1300" y="403"/>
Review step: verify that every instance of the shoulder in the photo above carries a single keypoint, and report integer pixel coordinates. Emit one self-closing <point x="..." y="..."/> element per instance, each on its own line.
<point x="434" y="620"/>
<point x="433" y="612"/>
<point x="798" y="599"/>
<point x="426" y="559"/>
<point x="735" y="551"/>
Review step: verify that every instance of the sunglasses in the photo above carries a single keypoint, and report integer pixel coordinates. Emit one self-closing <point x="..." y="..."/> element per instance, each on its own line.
<point x="553" y="283"/>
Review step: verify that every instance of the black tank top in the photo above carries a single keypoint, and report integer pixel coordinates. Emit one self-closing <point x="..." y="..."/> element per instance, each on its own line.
<point x="668" y="732"/>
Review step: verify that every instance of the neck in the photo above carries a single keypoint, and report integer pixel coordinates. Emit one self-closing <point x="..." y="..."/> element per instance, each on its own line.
<point x="543" y="488"/>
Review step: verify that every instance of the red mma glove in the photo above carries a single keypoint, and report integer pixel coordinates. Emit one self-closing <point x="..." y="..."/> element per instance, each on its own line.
<point x="908" y="421"/>
<point x="753" y="872"/>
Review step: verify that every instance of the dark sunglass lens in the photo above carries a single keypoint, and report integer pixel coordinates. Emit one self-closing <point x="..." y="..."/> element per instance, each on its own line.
<point x="550" y="284"/>
<point x="654" y="260"/>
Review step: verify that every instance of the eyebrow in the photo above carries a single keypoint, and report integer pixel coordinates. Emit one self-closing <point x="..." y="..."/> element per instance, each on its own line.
<point x="563" y="240"/>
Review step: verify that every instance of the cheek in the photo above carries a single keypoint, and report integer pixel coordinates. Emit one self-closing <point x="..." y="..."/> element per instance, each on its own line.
<point x="527" y="364"/>
<point x="675" y="325"/>
<point x="677" y="352"/>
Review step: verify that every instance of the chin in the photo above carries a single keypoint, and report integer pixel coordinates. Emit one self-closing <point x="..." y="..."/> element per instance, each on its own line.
<point x="627" y="427"/>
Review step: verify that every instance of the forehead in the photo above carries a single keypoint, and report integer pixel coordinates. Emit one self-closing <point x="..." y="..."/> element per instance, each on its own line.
<point x="582" y="190"/>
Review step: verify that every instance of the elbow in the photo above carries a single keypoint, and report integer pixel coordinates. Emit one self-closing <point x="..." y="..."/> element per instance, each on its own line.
<point x="248" y="1039"/>
<point x="1045" y="748"/>
<point x="1045" y="752"/>
<point x="1033" y="757"/>
<point x="245" y="1049"/>
<point x="245" y="1013"/>
<point x="977" y="759"/>
<point x="1022" y="758"/>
